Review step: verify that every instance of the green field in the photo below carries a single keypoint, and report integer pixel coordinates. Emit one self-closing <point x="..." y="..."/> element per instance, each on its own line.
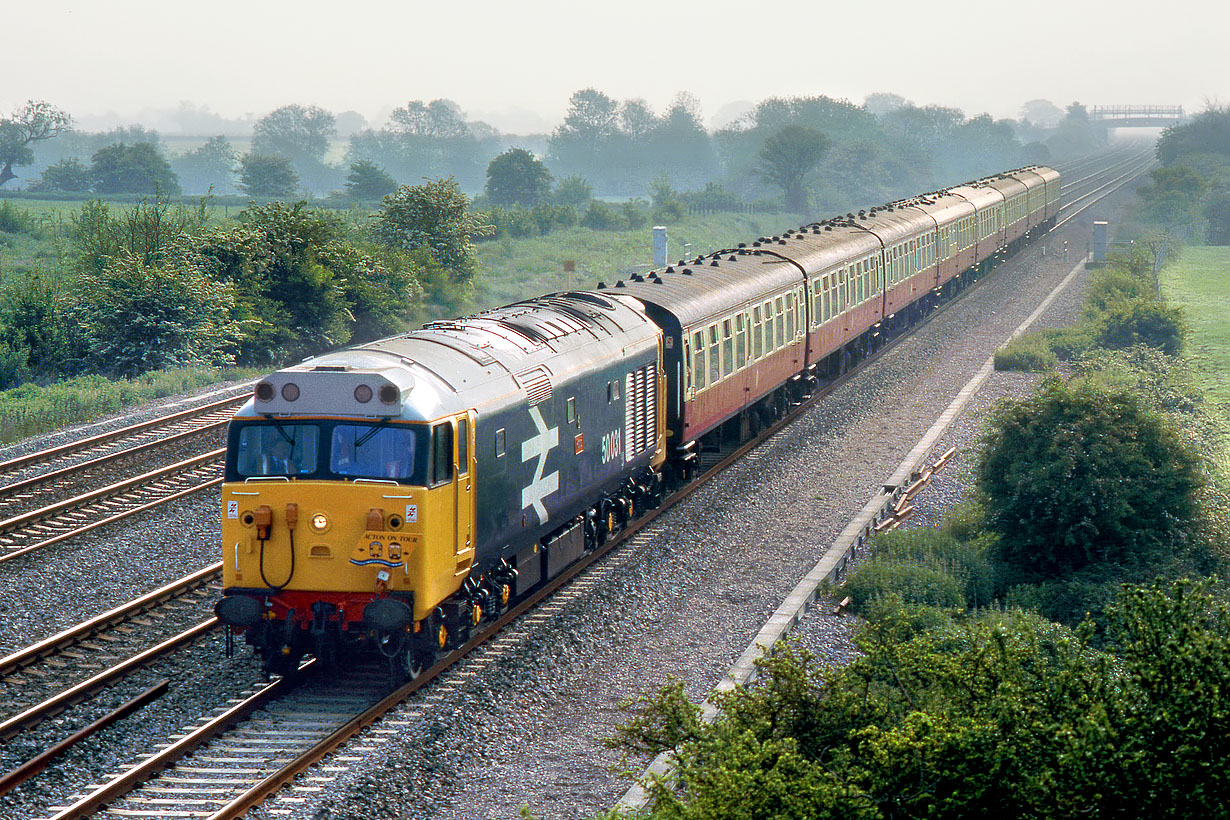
<point x="1200" y="282"/>
<point x="512" y="269"/>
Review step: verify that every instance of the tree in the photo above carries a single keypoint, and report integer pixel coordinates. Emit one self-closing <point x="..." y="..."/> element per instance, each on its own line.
<point x="1207" y="133"/>
<point x="573" y="190"/>
<point x="33" y="122"/>
<point x="516" y="177"/>
<point x="1043" y="113"/>
<point x="882" y="103"/>
<point x="132" y="169"/>
<point x="428" y="140"/>
<point x="368" y="182"/>
<point x="294" y="131"/>
<point x="68" y="175"/>
<point x="435" y="217"/>
<point x="787" y="157"/>
<point x="209" y="167"/>
<point x="267" y="176"/>
<point x="1080" y="475"/>
<point x="577" y="146"/>
<point x="440" y="119"/>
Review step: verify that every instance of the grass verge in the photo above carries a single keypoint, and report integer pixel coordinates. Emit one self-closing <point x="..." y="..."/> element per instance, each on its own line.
<point x="514" y="269"/>
<point x="1198" y="281"/>
<point x="32" y="409"/>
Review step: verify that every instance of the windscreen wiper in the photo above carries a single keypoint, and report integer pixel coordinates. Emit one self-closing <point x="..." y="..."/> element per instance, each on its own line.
<point x="367" y="436"/>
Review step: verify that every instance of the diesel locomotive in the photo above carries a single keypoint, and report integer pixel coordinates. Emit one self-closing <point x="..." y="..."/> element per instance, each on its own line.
<point x="392" y="496"/>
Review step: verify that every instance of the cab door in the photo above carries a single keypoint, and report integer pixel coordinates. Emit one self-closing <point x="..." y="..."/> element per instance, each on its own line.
<point x="463" y="426"/>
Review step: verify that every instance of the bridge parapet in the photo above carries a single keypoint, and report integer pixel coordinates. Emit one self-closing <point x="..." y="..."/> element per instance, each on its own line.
<point x="1137" y="116"/>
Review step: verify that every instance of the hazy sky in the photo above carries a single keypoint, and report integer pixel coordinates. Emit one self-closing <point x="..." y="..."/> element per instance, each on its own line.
<point x="493" y="58"/>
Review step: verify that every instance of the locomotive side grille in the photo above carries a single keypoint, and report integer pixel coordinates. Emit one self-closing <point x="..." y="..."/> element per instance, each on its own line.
<point x="630" y="417"/>
<point x="640" y="412"/>
<point x="537" y="385"/>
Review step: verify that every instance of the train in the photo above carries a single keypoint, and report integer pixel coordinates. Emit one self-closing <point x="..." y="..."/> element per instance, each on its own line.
<point x="390" y="497"/>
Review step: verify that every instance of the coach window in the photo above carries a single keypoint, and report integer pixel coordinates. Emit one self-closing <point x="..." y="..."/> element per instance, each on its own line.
<point x="698" y="361"/>
<point x="826" y="311"/>
<point x="728" y="349"/>
<point x="715" y="362"/>
<point x="789" y="318"/>
<point x="441" y="453"/>
<point x="779" y="324"/>
<point x="740" y="342"/>
<point x="757" y="333"/>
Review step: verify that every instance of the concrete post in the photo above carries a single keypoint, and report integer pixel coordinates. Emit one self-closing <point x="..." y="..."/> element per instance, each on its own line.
<point x="659" y="246"/>
<point x="1099" y="241"/>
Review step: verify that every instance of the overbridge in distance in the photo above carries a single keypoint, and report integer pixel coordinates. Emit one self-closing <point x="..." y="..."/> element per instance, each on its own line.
<point x="1137" y="116"/>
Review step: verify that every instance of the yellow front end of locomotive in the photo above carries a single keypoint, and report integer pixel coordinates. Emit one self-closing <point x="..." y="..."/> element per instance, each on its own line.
<point x="342" y="538"/>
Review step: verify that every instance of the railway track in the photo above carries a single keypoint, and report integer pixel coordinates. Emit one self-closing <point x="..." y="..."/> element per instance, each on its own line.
<point x="42" y="680"/>
<point x="260" y="753"/>
<point x="99" y="449"/>
<point x="62" y="520"/>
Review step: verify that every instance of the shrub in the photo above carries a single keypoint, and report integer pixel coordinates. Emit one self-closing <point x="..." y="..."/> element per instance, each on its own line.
<point x="634" y="215"/>
<point x="1028" y="354"/>
<point x="1068" y="343"/>
<point x="916" y="582"/>
<point x="601" y="217"/>
<point x="554" y="217"/>
<point x="1109" y="285"/>
<point x="573" y="191"/>
<point x="1077" y="475"/>
<point x="668" y="212"/>
<point x="139" y="317"/>
<point x="1128" y="322"/>
<point x="15" y="221"/>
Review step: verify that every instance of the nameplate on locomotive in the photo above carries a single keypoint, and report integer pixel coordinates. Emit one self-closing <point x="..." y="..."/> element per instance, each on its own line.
<point x="386" y="549"/>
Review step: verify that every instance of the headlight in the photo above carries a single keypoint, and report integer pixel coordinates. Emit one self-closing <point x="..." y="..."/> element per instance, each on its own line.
<point x="320" y="522"/>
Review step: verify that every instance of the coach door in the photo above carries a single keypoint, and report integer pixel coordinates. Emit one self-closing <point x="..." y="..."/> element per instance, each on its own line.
<point x="464" y="429"/>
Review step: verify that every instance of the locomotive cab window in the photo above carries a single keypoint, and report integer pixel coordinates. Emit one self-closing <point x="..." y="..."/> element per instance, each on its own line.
<point x="441" y="453"/>
<point x="379" y="451"/>
<point x="277" y="450"/>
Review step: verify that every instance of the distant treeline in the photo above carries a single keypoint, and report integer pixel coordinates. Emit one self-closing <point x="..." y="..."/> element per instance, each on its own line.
<point x="883" y="149"/>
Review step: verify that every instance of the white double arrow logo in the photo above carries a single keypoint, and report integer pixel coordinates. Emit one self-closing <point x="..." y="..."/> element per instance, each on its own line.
<point x="538" y="447"/>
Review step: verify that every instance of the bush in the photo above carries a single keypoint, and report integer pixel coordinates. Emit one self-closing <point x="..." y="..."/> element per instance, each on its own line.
<point x="634" y="215"/>
<point x="925" y="582"/>
<point x="1114" y="284"/>
<point x="1078" y="475"/>
<point x="601" y="217"/>
<point x="554" y="217"/>
<point x="516" y="221"/>
<point x="573" y="191"/>
<point x="1128" y="322"/>
<point x="669" y="212"/>
<point x="1068" y="343"/>
<point x="1028" y="354"/>
<point x="922" y="567"/>
<point x="15" y="221"/>
<point x="139" y="317"/>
